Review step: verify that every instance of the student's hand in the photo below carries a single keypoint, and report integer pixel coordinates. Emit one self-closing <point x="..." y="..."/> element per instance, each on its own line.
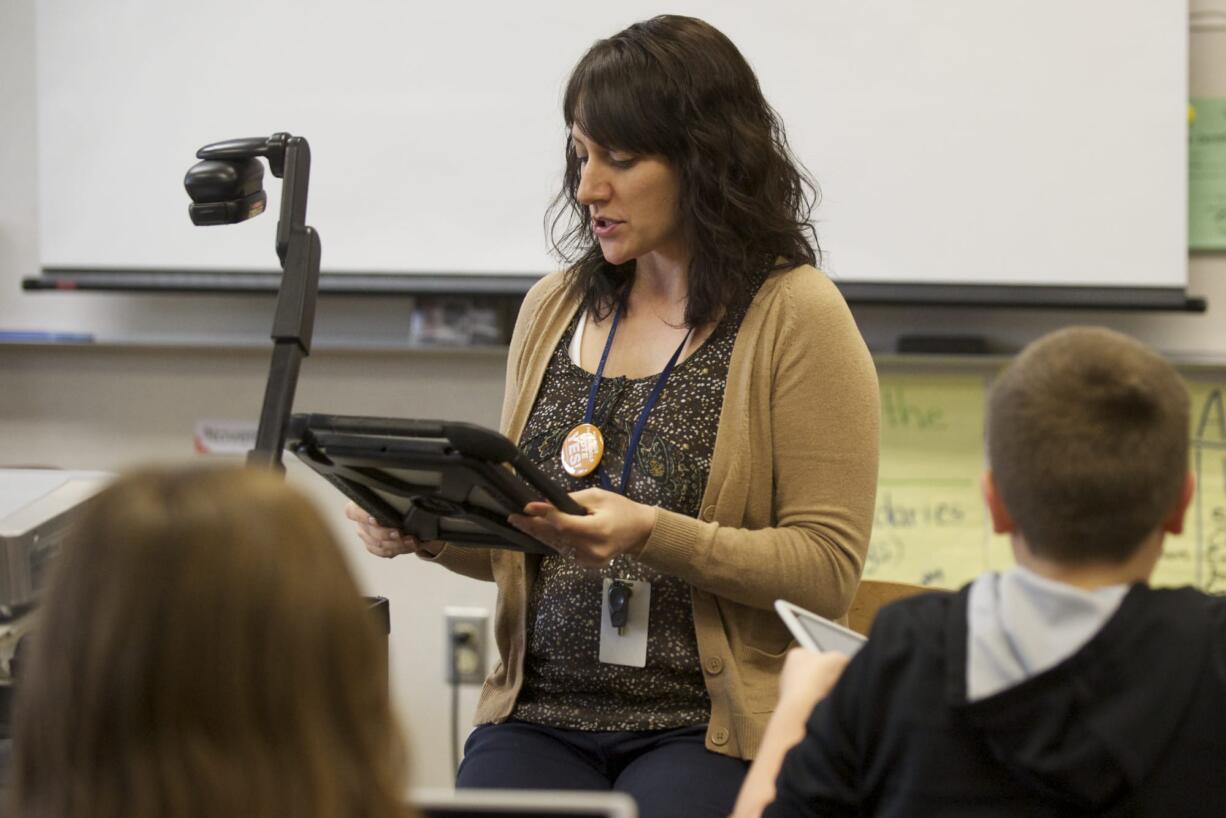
<point x="806" y="679"/>
<point x="388" y="542"/>
<point x="808" y="676"/>
<point x="613" y="525"/>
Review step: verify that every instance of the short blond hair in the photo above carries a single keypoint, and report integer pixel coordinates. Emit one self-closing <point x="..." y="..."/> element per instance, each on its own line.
<point x="1088" y="444"/>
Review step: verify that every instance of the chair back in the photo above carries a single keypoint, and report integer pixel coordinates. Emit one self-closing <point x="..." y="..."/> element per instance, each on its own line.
<point x="871" y="595"/>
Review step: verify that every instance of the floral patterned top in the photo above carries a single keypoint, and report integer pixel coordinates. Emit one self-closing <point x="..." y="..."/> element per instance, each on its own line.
<point x="565" y="684"/>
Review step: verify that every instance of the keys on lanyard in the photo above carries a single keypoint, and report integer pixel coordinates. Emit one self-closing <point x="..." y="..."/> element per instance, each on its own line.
<point x="619" y="605"/>
<point x="624" y="621"/>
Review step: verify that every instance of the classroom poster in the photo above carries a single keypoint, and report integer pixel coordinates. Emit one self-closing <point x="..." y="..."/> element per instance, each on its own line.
<point x="1198" y="556"/>
<point x="930" y="523"/>
<point x="931" y="527"/>
<point x="1207" y="174"/>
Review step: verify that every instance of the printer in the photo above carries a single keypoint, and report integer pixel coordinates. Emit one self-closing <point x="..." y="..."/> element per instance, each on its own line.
<point x="37" y="507"/>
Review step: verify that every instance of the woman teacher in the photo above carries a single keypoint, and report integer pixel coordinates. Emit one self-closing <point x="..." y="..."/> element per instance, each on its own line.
<point x="703" y="390"/>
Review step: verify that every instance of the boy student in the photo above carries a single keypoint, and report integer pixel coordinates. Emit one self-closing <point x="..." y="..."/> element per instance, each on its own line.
<point x="1063" y="686"/>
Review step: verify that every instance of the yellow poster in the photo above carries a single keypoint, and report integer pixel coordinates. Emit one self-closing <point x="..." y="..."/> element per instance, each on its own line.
<point x="930" y="523"/>
<point x="931" y="526"/>
<point x="1198" y="556"/>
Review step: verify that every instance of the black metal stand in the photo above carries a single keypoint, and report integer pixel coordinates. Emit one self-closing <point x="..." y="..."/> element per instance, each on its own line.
<point x="289" y="157"/>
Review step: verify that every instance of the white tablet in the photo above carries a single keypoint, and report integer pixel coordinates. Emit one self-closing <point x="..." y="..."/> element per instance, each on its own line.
<point x="817" y="632"/>
<point x="440" y="803"/>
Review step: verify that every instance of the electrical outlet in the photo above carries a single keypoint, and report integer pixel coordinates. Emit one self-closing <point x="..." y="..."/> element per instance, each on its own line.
<point x="466" y="630"/>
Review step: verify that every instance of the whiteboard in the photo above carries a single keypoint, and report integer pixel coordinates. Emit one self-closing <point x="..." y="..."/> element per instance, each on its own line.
<point x="955" y="141"/>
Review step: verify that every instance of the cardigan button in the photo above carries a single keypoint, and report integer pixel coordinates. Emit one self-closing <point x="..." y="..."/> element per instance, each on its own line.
<point x="714" y="665"/>
<point x="708" y="514"/>
<point x="720" y="737"/>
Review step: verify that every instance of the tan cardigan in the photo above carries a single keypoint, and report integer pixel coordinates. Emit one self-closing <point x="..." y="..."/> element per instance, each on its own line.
<point x="788" y="505"/>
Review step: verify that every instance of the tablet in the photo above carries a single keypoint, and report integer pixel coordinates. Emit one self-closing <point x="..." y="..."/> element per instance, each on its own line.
<point x="432" y="803"/>
<point x="817" y="632"/>
<point x="434" y="479"/>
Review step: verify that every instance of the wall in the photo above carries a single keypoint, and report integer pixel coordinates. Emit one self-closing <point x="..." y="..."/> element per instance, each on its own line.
<point x="105" y="407"/>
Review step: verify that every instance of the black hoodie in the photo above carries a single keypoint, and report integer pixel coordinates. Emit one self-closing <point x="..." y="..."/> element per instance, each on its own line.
<point x="1132" y="724"/>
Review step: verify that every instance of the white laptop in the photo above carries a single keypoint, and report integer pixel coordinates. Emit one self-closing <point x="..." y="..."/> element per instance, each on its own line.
<point x="444" y="803"/>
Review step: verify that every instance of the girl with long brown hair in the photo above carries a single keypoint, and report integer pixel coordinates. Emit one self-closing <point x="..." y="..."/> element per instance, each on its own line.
<point x="202" y="650"/>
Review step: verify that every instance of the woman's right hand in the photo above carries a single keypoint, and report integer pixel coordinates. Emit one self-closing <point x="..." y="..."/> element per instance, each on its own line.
<point x="388" y="542"/>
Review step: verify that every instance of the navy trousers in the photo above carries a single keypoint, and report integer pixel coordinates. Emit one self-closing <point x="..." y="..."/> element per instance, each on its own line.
<point x="667" y="772"/>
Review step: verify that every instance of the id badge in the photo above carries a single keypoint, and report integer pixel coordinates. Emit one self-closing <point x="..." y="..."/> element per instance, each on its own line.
<point x="629" y="645"/>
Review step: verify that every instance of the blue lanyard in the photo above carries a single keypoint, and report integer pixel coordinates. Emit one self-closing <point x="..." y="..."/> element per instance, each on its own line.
<point x="639" y="424"/>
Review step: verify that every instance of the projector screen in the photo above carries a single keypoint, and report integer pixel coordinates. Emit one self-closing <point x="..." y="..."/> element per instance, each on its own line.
<point x="1019" y="142"/>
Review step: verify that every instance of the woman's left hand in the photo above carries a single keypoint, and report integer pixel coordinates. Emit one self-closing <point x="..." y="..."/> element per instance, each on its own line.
<point x="613" y="525"/>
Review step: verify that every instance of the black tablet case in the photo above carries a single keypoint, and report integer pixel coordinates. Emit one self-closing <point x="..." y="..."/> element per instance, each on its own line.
<point x="433" y="479"/>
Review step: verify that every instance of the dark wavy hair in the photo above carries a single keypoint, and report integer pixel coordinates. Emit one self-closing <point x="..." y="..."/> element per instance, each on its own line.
<point x="678" y="88"/>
